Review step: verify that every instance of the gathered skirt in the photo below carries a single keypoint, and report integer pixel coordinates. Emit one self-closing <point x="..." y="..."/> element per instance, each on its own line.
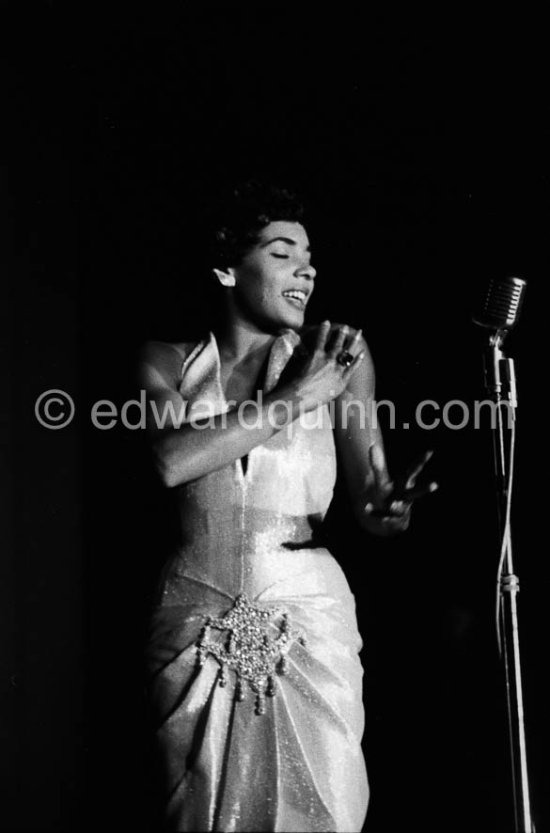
<point x="257" y="703"/>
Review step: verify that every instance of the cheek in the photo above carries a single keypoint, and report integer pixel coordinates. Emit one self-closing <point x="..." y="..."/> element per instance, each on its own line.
<point x="257" y="291"/>
<point x="259" y="284"/>
<point x="265" y="286"/>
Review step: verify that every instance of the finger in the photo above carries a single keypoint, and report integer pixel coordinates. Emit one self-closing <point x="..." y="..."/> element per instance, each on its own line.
<point x="397" y="509"/>
<point x="409" y="478"/>
<point x="348" y="371"/>
<point x="401" y="521"/>
<point x="322" y="335"/>
<point x="391" y="523"/>
<point x="355" y="342"/>
<point x="339" y="341"/>
<point x="395" y="524"/>
<point x="413" y="494"/>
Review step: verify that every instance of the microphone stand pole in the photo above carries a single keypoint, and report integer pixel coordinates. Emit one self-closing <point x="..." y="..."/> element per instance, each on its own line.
<point x="500" y="379"/>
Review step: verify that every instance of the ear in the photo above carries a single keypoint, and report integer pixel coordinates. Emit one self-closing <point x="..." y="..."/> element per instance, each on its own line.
<point x="225" y="278"/>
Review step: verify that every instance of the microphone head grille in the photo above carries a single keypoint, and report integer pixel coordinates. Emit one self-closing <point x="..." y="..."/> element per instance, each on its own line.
<point x="501" y="305"/>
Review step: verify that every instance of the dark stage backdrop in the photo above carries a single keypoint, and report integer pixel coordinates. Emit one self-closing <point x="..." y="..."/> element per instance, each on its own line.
<point x="421" y="149"/>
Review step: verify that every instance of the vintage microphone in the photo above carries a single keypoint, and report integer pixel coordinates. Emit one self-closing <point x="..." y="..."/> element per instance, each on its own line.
<point x="501" y="305"/>
<point x="497" y="314"/>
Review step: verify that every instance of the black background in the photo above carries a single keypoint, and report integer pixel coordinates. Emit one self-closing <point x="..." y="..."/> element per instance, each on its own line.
<point x="420" y="144"/>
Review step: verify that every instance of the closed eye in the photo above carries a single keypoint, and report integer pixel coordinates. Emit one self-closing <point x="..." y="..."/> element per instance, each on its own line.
<point x="273" y="254"/>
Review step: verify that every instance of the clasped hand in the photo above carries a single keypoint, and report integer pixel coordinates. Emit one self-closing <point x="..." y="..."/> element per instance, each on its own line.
<point x="316" y="373"/>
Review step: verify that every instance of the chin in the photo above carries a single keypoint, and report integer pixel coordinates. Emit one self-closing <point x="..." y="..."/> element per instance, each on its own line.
<point x="295" y="321"/>
<point x="287" y="322"/>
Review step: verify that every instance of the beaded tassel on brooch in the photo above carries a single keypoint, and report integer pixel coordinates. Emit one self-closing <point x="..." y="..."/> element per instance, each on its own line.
<point x="249" y="647"/>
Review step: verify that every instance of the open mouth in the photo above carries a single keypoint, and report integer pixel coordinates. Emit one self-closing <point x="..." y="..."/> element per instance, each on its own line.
<point x="296" y="297"/>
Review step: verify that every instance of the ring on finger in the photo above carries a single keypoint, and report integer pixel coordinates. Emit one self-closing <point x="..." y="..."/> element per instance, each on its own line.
<point x="344" y="358"/>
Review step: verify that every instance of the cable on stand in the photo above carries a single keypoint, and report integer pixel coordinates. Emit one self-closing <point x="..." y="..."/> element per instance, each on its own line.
<point x="498" y="315"/>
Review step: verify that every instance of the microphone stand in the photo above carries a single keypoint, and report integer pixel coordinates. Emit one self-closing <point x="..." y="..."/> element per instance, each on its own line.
<point x="501" y="385"/>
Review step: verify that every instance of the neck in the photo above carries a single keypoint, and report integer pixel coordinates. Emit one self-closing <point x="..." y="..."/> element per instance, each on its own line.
<point x="238" y="338"/>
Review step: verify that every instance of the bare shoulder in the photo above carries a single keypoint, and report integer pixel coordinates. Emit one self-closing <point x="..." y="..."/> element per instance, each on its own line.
<point x="166" y="358"/>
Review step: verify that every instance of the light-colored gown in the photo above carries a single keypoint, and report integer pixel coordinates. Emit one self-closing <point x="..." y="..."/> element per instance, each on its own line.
<point x="256" y="681"/>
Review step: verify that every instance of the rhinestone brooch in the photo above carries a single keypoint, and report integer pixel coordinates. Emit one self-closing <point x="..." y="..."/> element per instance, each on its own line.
<point x="248" y="645"/>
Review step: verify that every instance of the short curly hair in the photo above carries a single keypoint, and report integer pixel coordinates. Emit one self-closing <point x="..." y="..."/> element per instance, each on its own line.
<point x="244" y="212"/>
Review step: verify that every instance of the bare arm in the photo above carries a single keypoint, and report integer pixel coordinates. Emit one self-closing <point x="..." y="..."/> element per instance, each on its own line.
<point x="356" y="431"/>
<point x="183" y="451"/>
<point x="381" y="505"/>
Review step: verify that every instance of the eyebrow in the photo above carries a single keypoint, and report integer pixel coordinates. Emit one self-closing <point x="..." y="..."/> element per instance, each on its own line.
<point x="288" y="240"/>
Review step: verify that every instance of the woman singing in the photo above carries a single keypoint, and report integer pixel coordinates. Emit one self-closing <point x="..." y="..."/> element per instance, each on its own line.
<point x="255" y="680"/>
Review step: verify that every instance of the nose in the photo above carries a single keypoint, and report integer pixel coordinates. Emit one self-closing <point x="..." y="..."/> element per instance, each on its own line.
<point x="306" y="271"/>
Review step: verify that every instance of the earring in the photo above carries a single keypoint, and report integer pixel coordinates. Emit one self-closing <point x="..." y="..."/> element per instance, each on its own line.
<point x="225" y="278"/>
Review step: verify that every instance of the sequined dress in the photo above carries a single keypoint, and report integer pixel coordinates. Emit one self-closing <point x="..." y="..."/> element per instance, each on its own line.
<point x="256" y="682"/>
